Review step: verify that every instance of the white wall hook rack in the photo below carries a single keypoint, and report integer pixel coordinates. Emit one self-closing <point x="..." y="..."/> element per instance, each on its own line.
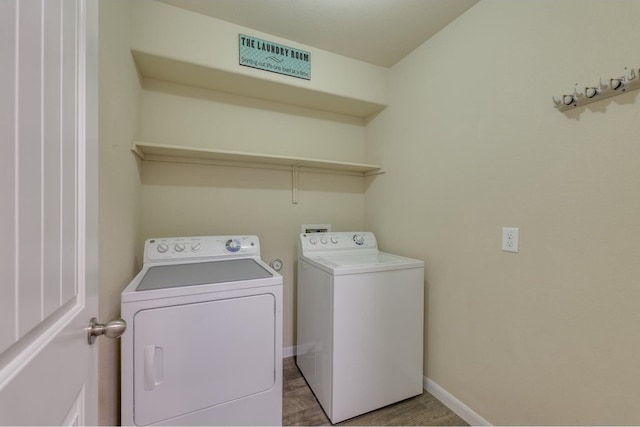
<point x="588" y="94"/>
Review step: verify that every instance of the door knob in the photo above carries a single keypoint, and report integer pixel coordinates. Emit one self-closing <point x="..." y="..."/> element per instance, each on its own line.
<point x="113" y="329"/>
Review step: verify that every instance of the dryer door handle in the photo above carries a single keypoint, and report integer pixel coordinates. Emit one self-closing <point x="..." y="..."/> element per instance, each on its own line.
<point x="153" y="366"/>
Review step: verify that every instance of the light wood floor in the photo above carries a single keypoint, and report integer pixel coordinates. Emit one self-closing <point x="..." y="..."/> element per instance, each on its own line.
<point x="300" y="407"/>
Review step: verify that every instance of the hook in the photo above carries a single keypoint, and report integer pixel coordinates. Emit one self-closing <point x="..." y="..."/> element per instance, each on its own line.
<point x="616" y="84"/>
<point x="581" y="95"/>
<point x="632" y="74"/>
<point x="602" y="86"/>
<point x="590" y="92"/>
<point x="576" y="93"/>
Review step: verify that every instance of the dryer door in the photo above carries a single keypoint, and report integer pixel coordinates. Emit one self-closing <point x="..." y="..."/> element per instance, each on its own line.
<point x="196" y="356"/>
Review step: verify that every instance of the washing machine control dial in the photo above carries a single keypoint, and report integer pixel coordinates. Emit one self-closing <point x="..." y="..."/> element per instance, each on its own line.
<point x="323" y="240"/>
<point x="195" y="247"/>
<point x="162" y="248"/>
<point x="233" y="245"/>
<point x="334" y="240"/>
<point x="313" y="240"/>
<point x="179" y="247"/>
<point x="359" y="239"/>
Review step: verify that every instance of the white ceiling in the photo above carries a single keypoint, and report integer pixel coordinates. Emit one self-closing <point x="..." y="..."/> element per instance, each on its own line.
<point x="379" y="32"/>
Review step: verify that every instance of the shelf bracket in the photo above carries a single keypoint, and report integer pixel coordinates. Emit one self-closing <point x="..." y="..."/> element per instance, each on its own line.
<point x="294" y="185"/>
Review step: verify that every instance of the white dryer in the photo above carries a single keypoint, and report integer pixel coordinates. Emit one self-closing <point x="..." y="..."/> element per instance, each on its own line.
<point x="204" y="342"/>
<point x="360" y="323"/>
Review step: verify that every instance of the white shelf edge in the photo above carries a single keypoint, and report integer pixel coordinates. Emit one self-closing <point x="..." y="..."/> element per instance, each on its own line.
<point x="175" y="153"/>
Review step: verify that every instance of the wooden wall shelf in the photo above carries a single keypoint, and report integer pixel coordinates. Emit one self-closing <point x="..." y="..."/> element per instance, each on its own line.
<point x="182" y="154"/>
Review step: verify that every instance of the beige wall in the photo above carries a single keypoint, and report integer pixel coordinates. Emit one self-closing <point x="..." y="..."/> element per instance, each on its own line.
<point x="193" y="38"/>
<point x="471" y="142"/>
<point x="187" y="200"/>
<point x="182" y="200"/>
<point x="181" y="115"/>
<point x="119" y="188"/>
<point x="139" y="200"/>
<point x="192" y="200"/>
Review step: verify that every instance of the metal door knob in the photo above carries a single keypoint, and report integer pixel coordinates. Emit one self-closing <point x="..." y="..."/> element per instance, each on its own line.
<point x="113" y="329"/>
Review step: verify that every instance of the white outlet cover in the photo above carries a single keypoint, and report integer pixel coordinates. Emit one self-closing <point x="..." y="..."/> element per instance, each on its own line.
<point x="510" y="239"/>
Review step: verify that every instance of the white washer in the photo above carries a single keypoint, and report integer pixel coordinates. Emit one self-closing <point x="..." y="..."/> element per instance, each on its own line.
<point x="360" y="323"/>
<point x="204" y="341"/>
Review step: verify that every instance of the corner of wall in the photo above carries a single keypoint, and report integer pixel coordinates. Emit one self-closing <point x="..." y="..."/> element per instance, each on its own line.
<point x="119" y="187"/>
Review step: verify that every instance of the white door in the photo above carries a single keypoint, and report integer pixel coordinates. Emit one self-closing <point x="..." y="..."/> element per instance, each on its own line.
<point x="48" y="211"/>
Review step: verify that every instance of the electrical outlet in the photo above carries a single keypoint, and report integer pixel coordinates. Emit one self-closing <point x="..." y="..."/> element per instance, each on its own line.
<point x="510" y="239"/>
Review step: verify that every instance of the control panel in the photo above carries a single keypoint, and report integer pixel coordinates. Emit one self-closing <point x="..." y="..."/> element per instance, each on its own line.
<point x="200" y="247"/>
<point x="316" y="242"/>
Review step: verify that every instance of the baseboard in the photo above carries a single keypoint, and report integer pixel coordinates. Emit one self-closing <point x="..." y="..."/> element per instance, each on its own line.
<point x="450" y="401"/>
<point x="288" y="351"/>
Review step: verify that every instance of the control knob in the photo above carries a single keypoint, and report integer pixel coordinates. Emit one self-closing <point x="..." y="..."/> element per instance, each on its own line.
<point x="233" y="245"/>
<point x="359" y="239"/>
<point x="162" y="248"/>
<point x="313" y="240"/>
<point x="195" y="247"/>
<point x="323" y="240"/>
<point x="179" y="247"/>
<point x="334" y="240"/>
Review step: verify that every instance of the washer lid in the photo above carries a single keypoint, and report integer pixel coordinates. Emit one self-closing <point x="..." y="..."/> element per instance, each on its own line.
<point x="353" y="262"/>
<point x="202" y="273"/>
<point x="361" y="259"/>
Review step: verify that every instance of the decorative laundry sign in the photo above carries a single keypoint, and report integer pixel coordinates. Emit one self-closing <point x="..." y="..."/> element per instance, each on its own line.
<point x="268" y="56"/>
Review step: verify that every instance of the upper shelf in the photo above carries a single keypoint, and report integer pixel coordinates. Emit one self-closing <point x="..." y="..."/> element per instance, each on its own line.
<point x="161" y="152"/>
<point x="172" y="70"/>
<point x="188" y="48"/>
